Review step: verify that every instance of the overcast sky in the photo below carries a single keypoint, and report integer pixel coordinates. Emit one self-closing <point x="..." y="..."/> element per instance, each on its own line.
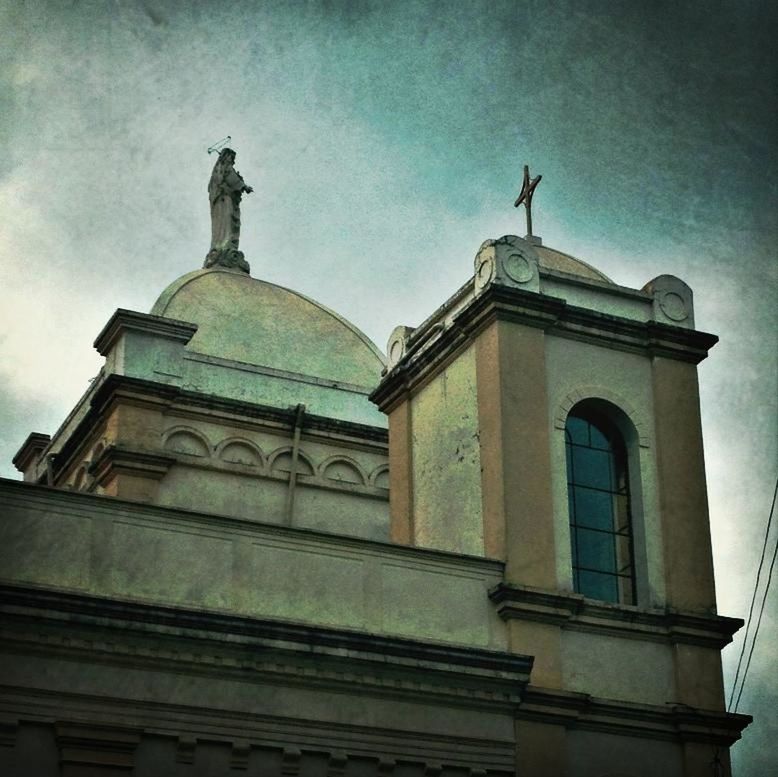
<point x="385" y="142"/>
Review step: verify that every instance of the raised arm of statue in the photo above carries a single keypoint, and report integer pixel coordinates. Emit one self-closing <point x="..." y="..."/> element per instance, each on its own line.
<point x="224" y="193"/>
<point x="233" y="180"/>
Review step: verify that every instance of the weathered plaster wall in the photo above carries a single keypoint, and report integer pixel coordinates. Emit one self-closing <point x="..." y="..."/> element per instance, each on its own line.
<point x="613" y="668"/>
<point x="683" y="492"/>
<point x="106" y="547"/>
<point x="446" y="460"/>
<point x="595" y="754"/>
<point x="249" y="383"/>
<point x="238" y="466"/>
<point x="223" y="493"/>
<point x="512" y="402"/>
<point x="343" y="512"/>
<point x="215" y="715"/>
<point x="607" y="298"/>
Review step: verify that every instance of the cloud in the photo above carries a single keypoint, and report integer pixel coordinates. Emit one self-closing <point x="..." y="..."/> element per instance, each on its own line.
<point x="384" y="145"/>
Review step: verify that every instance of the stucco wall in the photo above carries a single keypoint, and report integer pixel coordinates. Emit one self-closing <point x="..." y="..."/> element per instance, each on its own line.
<point x="604" y="299"/>
<point x="106" y="547"/>
<point x="446" y="460"/>
<point x="610" y="667"/>
<point x="594" y="754"/>
<point x="223" y="493"/>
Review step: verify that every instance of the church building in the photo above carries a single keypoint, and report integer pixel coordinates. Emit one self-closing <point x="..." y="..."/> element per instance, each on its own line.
<point x="257" y="546"/>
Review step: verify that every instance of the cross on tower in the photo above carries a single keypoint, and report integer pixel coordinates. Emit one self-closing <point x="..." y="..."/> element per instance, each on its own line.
<point x="525" y="196"/>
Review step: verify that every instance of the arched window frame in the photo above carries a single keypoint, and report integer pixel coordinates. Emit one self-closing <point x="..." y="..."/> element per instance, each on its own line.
<point x="605" y="565"/>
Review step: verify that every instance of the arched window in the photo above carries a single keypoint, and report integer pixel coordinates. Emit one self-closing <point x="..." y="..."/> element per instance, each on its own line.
<point x="599" y="506"/>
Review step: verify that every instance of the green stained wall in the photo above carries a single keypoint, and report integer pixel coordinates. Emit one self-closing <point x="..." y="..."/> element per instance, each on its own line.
<point x="446" y="460"/>
<point x="110" y="548"/>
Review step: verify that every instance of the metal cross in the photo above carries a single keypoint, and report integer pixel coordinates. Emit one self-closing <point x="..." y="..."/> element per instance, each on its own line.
<point x="525" y="196"/>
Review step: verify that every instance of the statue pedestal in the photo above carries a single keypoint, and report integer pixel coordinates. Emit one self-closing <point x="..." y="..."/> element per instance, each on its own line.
<point x="230" y="258"/>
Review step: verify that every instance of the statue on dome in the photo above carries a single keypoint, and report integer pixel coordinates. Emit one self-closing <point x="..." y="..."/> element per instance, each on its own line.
<point x="225" y="190"/>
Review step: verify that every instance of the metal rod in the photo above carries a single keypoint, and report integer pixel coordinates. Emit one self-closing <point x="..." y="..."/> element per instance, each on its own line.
<point x="298" y="425"/>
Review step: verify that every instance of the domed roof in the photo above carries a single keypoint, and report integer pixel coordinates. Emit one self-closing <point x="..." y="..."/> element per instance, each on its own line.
<point x="251" y="321"/>
<point x="552" y="259"/>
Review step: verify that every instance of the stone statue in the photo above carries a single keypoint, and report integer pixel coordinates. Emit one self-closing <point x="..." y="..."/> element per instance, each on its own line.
<point x="225" y="190"/>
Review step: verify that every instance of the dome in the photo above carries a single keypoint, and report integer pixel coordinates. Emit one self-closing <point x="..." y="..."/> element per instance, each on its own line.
<point x="254" y="322"/>
<point x="551" y="259"/>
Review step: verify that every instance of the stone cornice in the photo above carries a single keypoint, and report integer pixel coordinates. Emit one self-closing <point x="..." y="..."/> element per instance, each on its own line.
<point x="573" y="611"/>
<point x="130" y="320"/>
<point x="123" y="389"/>
<point x="411" y="373"/>
<point x="506" y="303"/>
<point x="194" y="640"/>
<point x="155" y="393"/>
<point x="31" y="448"/>
<point x="674" y="722"/>
<point x="553" y="315"/>
<point x="189" y="726"/>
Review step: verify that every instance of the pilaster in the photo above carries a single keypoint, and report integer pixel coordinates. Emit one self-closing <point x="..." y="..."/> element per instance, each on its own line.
<point x="401" y="474"/>
<point x="682" y="489"/>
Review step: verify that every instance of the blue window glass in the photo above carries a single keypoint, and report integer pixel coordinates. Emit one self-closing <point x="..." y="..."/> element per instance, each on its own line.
<point x="598" y="502"/>
<point x="593" y="509"/>
<point x="597" y="585"/>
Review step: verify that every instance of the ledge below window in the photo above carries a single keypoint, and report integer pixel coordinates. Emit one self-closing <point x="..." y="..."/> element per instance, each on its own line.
<point x="574" y="611"/>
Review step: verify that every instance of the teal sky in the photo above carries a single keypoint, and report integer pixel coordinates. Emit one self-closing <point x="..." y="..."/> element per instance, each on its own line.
<point x="385" y="142"/>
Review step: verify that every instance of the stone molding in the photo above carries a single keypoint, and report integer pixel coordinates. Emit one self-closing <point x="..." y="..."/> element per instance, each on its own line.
<point x="125" y="460"/>
<point x="291" y="762"/>
<point x="202" y="641"/>
<point x="553" y="315"/>
<point x="130" y="320"/>
<point x="573" y="611"/>
<point x="151" y="465"/>
<point x="397" y="345"/>
<point x="85" y="747"/>
<point x="608" y="287"/>
<point x="672" y="299"/>
<point x="189" y="434"/>
<point x="185" y="749"/>
<point x="265" y="653"/>
<point x="387" y="751"/>
<point x="30" y="451"/>
<point x="418" y="367"/>
<point x="119" y="389"/>
<point x="507" y="261"/>
<point x="118" y="460"/>
<point x="673" y="722"/>
<point x="175" y="639"/>
<point x="188" y="727"/>
<point x="257" y="369"/>
<point x="263" y="463"/>
<point x="637" y="418"/>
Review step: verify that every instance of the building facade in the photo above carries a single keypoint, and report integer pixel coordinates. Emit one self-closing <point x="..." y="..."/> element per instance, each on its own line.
<point x="256" y="546"/>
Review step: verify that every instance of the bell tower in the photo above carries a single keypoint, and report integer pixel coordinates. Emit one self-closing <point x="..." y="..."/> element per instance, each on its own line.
<point x="549" y="418"/>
